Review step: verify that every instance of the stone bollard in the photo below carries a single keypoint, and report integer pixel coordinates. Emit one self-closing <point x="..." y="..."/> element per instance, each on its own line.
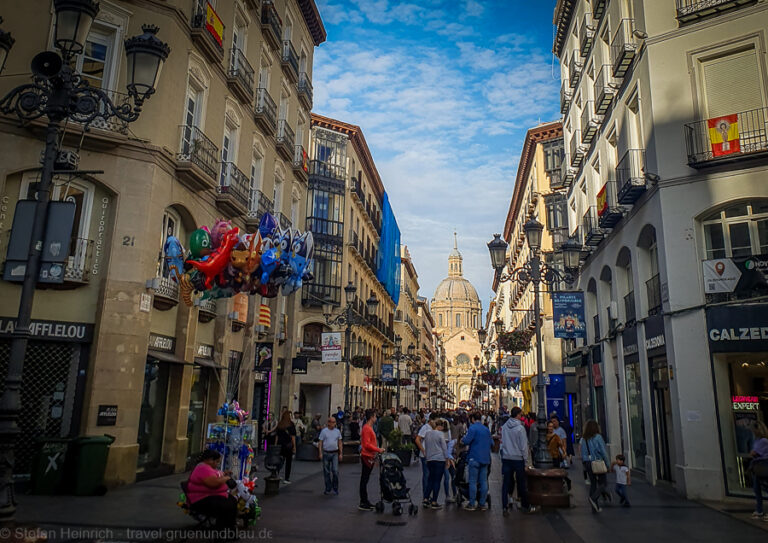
<point x="546" y="487"/>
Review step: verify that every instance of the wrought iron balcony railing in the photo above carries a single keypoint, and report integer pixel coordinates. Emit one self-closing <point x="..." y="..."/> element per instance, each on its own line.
<point x="731" y="137"/>
<point x="598" y="8"/>
<point x="586" y="35"/>
<point x="623" y="47"/>
<point x="272" y="26"/>
<point x="590" y="122"/>
<point x="290" y="60"/>
<point x="577" y="150"/>
<point x="234" y="183"/>
<point x="305" y="89"/>
<point x="566" y="95"/>
<point x="283" y="219"/>
<point x="265" y="110"/>
<point x="593" y="234"/>
<point x="604" y="89"/>
<point x="610" y="213"/>
<point x="198" y="149"/>
<point x="240" y="72"/>
<point x="630" y="176"/>
<point x="258" y="204"/>
<point x="629" y="307"/>
<point x="653" y="290"/>
<point x="691" y="10"/>
<point x="325" y="227"/>
<point x="285" y="136"/>
<point x="575" y="69"/>
<point x="211" y="43"/>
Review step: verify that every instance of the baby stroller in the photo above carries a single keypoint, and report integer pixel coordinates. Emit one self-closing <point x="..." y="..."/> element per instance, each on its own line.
<point x="393" y="485"/>
<point x="461" y="480"/>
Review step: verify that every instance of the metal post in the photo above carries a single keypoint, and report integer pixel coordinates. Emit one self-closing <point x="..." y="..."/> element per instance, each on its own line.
<point x="542" y="457"/>
<point x="10" y="403"/>
<point x="348" y="360"/>
<point x="398" y="379"/>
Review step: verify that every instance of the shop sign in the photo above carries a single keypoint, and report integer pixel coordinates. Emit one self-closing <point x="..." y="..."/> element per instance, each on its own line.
<point x="106" y="415"/>
<point x="299" y="366"/>
<point x="654" y="334"/>
<point x="387" y="372"/>
<point x="331" y="346"/>
<point x="204" y="351"/>
<point x="742" y="328"/>
<point x="743" y="275"/>
<point x="513" y="363"/>
<point x="77" y="332"/>
<point x="166" y="344"/>
<point x="745" y="403"/>
<point x="629" y="344"/>
<point x="260" y="376"/>
<point x="568" y="315"/>
<point x="264" y="356"/>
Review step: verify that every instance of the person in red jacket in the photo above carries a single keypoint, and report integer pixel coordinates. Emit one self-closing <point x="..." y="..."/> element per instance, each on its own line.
<point x="369" y="447"/>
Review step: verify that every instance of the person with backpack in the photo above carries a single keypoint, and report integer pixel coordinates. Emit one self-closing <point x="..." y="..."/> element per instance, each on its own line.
<point x="595" y="460"/>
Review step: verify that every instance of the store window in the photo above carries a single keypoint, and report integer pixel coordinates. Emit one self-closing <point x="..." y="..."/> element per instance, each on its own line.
<point x="736" y="231"/>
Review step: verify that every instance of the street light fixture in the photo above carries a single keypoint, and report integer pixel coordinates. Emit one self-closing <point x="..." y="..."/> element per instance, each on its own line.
<point x="498" y="325"/>
<point x="60" y="94"/>
<point x="482" y="335"/>
<point x="537" y="272"/>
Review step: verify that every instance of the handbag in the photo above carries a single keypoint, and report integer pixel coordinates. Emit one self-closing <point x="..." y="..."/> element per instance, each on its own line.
<point x="598" y="466"/>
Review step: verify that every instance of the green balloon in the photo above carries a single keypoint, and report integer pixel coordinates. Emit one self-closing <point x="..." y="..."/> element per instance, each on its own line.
<point x="200" y="243"/>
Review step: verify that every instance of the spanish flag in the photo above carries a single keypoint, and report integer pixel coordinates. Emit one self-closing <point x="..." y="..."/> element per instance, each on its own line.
<point x="265" y="316"/>
<point x="602" y="202"/>
<point x="724" y="135"/>
<point x="213" y="24"/>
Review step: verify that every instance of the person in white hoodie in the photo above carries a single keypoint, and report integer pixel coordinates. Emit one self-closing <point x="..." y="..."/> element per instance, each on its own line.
<point x="514" y="451"/>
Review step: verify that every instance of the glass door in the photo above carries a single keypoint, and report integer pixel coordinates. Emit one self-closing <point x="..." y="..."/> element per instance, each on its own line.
<point x="152" y="416"/>
<point x="196" y="416"/>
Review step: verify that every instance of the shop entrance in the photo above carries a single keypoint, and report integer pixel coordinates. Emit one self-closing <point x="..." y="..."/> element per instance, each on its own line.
<point x="196" y="417"/>
<point x="317" y="399"/>
<point x="662" y="419"/>
<point x="259" y="409"/>
<point x="152" y="420"/>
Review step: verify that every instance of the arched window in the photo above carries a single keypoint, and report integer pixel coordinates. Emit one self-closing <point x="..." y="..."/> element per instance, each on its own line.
<point x="737" y="230"/>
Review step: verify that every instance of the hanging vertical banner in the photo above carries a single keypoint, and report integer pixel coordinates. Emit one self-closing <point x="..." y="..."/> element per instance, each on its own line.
<point x="331" y="346"/>
<point x="602" y="201"/>
<point x="240" y="306"/>
<point x="387" y="372"/>
<point x="265" y="315"/>
<point x="513" y="364"/>
<point x="213" y="24"/>
<point x="568" y="315"/>
<point x="724" y="135"/>
<point x="264" y="356"/>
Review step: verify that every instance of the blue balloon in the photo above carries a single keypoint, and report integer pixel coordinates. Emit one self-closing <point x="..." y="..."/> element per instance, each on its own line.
<point x="174" y="258"/>
<point x="268" y="225"/>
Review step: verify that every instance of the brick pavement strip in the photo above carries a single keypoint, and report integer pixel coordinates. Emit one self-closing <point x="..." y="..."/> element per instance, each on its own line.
<point x="302" y="513"/>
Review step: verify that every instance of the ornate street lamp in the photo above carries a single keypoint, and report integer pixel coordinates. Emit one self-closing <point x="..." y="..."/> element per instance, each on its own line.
<point x="533" y="230"/>
<point x="60" y="94"/>
<point x="498" y="250"/>
<point x="571" y="251"/>
<point x="482" y="335"/>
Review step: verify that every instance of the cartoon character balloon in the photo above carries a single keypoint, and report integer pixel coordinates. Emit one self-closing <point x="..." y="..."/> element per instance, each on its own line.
<point x="174" y="258"/>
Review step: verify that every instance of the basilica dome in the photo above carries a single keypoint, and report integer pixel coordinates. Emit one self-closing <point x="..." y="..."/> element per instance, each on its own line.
<point x="456" y="304"/>
<point x="456" y="289"/>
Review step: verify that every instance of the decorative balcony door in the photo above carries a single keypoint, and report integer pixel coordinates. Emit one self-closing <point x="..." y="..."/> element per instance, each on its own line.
<point x="228" y="154"/>
<point x="191" y="119"/>
<point x="95" y="61"/>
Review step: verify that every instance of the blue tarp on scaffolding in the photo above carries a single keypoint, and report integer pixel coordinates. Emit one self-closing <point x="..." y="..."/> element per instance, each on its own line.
<point x="388" y="272"/>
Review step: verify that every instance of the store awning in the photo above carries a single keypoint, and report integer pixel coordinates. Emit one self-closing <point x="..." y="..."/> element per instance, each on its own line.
<point x="207" y="362"/>
<point x="165" y="357"/>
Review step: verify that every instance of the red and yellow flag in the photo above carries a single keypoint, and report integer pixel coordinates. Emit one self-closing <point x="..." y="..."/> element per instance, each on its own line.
<point x="724" y="135"/>
<point x="213" y="24"/>
<point x="602" y="202"/>
<point x="265" y="316"/>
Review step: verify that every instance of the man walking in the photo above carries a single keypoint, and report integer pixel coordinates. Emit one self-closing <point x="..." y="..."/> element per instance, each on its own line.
<point x="514" y="451"/>
<point x="330" y="450"/>
<point x="426" y="427"/>
<point x="478" y="439"/>
<point x="367" y="458"/>
<point x="405" y="425"/>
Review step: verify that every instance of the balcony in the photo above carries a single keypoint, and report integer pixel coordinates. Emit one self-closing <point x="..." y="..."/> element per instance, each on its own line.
<point x="630" y="176"/>
<point x="566" y="95"/>
<point x="623" y="47"/>
<point x="598" y="9"/>
<point x="586" y="35"/>
<point x="255" y="5"/>
<point x="694" y="10"/>
<point x="206" y="310"/>
<point x="197" y="160"/>
<point x="590" y="122"/>
<point x="605" y="89"/>
<point x="748" y="138"/>
<point x="271" y="25"/>
<point x="593" y="234"/>
<point x="314" y="294"/>
<point x="166" y="294"/>
<point x="305" y="90"/>
<point x="325" y="228"/>
<point x="265" y="111"/>
<point x="283" y="220"/>
<point x="285" y="140"/>
<point x="578" y="152"/>
<point x="653" y="290"/>
<point x="555" y="179"/>
<point x="327" y="176"/>
<point x="629" y="308"/>
<point x="611" y="212"/>
<point x="203" y="35"/>
<point x="575" y="69"/>
<point x="559" y="237"/>
<point x="232" y="192"/>
<point x="596" y="328"/>
<point x="240" y="76"/>
<point x="300" y="162"/>
<point x="567" y="173"/>
<point x="258" y="205"/>
<point x="290" y="61"/>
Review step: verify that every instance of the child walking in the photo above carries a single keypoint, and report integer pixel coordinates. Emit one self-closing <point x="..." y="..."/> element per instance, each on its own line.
<point x="623" y="478"/>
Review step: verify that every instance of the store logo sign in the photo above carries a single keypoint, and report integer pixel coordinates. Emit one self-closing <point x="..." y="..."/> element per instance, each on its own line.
<point x="654" y="342"/>
<point x="739" y="334"/>
<point x="745" y="403"/>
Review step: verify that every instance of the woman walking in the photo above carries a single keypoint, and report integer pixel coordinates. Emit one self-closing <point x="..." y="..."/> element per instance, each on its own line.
<point x="555" y="445"/>
<point x="596" y="462"/>
<point x="437" y="462"/>
<point x="285" y="436"/>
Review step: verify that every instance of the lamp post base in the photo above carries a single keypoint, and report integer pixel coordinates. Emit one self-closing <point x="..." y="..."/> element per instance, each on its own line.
<point x="547" y="488"/>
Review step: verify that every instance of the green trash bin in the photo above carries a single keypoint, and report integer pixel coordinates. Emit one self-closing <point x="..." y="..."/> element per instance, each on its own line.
<point x="87" y="461"/>
<point x="48" y="466"/>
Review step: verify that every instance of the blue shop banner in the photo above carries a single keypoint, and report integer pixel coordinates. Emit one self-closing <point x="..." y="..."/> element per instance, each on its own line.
<point x="387" y="372"/>
<point x="568" y="315"/>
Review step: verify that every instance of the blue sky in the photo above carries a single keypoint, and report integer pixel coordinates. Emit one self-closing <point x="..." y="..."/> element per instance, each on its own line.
<point x="444" y="92"/>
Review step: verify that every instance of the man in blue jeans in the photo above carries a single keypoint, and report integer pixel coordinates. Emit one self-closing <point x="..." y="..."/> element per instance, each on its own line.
<point x="478" y="438"/>
<point x="514" y="451"/>
<point x="426" y="427"/>
<point x="330" y="448"/>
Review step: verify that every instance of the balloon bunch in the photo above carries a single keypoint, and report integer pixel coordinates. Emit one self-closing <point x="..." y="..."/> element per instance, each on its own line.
<point x="233" y="412"/>
<point x="221" y="262"/>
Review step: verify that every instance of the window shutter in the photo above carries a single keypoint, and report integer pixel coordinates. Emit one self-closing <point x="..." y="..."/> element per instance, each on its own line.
<point x="732" y="84"/>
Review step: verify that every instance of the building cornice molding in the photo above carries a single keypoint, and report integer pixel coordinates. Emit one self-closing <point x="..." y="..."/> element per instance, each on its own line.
<point x="314" y="22"/>
<point x="562" y="21"/>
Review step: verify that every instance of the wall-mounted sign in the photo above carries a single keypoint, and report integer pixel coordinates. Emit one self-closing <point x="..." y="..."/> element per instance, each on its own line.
<point x="260" y="376"/>
<point x="743" y="275"/>
<point x="264" y="356"/>
<point x="629" y="344"/>
<point x="51" y="330"/>
<point x="654" y="335"/>
<point x="387" y="372"/>
<point x="106" y="415"/>
<point x="145" y="302"/>
<point x="166" y="344"/>
<point x="513" y="365"/>
<point x="204" y="351"/>
<point x="299" y="365"/>
<point x="331" y="346"/>
<point x="745" y="403"/>
<point x="568" y="315"/>
<point x="738" y="329"/>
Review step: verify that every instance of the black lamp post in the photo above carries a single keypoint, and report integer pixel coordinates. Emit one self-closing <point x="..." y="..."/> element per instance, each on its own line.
<point x="60" y="94"/>
<point x="537" y="272"/>
<point x="347" y="319"/>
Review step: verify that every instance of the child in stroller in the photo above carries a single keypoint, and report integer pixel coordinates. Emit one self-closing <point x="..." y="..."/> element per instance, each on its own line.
<point x="393" y="485"/>
<point x="461" y="479"/>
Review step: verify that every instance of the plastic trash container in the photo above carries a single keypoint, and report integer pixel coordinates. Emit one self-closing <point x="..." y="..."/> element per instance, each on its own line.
<point x="47" y="475"/>
<point x="87" y="461"/>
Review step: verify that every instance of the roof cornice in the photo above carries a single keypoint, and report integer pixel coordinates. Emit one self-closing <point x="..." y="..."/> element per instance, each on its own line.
<point x="312" y="17"/>
<point x="562" y="20"/>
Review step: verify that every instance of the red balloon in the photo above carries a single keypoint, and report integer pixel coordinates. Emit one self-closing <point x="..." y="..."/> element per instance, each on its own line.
<point x="218" y="259"/>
